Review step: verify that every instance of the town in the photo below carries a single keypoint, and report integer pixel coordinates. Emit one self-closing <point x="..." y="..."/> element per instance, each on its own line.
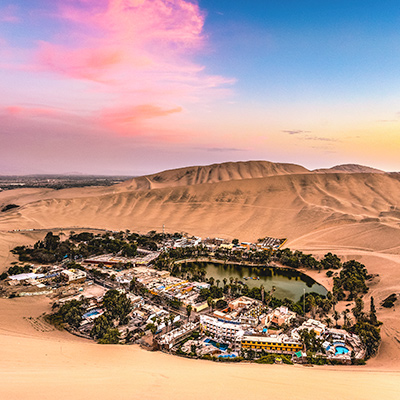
<point x="137" y="293"/>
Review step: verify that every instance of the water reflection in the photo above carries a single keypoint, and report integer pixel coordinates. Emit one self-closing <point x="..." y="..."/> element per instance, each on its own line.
<point x="288" y="282"/>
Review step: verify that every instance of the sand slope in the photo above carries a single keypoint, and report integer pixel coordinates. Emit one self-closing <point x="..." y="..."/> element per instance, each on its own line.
<point x="44" y="364"/>
<point x="355" y="215"/>
<point x="360" y="207"/>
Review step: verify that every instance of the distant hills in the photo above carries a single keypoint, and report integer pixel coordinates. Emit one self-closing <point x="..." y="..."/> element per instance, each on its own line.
<point x="351" y="168"/>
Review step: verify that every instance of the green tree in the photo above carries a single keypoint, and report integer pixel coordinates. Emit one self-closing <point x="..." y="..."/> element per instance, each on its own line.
<point x="188" y="311"/>
<point x="100" y="327"/>
<point x="117" y="305"/>
<point x="112" y="336"/>
<point x="358" y="309"/>
<point x="369" y="335"/>
<point x="51" y="241"/>
<point x="336" y="317"/>
<point x="74" y="317"/>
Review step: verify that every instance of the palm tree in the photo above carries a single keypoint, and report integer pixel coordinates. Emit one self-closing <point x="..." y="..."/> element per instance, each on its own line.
<point x="165" y="321"/>
<point x="171" y="318"/>
<point x="213" y="304"/>
<point x="345" y="319"/>
<point x="231" y="280"/>
<point x="224" y="281"/>
<point x="262" y="293"/>
<point x="313" y="304"/>
<point x="336" y="317"/>
<point x="188" y="310"/>
<point x="217" y="282"/>
<point x="209" y="302"/>
<point x="328" y="322"/>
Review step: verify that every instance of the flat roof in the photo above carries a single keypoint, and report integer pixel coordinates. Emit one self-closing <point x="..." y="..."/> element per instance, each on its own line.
<point x="270" y="339"/>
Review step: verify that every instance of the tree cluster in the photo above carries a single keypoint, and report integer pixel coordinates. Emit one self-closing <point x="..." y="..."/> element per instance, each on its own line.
<point x="352" y="279"/>
<point x="298" y="259"/>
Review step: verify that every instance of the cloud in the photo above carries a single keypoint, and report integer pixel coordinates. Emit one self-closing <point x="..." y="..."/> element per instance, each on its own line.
<point x="31" y="112"/>
<point x="9" y="14"/>
<point x="89" y="63"/>
<point x="222" y="149"/>
<point x="131" y="52"/>
<point x="129" y="43"/>
<point x="295" y="132"/>
<point x="130" y="120"/>
<point x="125" y="121"/>
<point x="304" y="135"/>
<point x="118" y="66"/>
<point x="320" y="138"/>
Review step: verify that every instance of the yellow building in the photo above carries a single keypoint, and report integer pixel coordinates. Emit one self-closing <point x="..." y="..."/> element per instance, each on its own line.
<point x="279" y="344"/>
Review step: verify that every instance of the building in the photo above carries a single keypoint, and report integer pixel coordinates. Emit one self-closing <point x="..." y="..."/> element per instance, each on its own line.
<point x="73" y="275"/>
<point x="313" y="325"/>
<point x="222" y="330"/>
<point x="25" y="277"/>
<point x="175" y="336"/>
<point x="244" y="302"/>
<point x="280" y="316"/>
<point x="272" y="344"/>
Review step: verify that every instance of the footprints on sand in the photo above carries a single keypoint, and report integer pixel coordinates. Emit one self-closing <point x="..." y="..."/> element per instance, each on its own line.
<point x="38" y="324"/>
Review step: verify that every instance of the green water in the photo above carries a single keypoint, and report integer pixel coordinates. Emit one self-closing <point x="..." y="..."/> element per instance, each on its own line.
<point x="288" y="282"/>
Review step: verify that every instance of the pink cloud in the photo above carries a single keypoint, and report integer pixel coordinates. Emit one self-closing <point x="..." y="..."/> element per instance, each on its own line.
<point x="90" y="64"/>
<point x="134" y="44"/>
<point x="125" y="121"/>
<point x="130" y="121"/>
<point x="9" y="14"/>
<point x="136" y="54"/>
<point x="32" y="111"/>
<point x="133" y="114"/>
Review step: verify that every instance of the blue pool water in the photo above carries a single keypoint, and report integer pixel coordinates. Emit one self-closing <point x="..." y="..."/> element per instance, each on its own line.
<point x="341" y="350"/>
<point x="227" y="356"/>
<point x="91" y="313"/>
<point x="219" y="346"/>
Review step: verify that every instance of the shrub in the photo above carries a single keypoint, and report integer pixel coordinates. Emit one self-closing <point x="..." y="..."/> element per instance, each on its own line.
<point x="389" y="301"/>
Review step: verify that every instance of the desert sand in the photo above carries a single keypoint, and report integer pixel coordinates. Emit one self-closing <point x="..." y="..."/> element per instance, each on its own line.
<point x="352" y="213"/>
<point x="40" y="363"/>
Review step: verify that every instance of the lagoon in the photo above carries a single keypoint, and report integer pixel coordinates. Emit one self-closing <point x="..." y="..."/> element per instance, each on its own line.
<point x="288" y="282"/>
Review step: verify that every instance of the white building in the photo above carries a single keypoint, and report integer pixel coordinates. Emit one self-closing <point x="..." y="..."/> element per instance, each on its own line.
<point x="224" y="331"/>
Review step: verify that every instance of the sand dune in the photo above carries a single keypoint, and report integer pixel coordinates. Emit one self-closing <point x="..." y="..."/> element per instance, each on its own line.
<point x="212" y="173"/>
<point x="352" y="213"/>
<point x="350" y="168"/>
<point x="285" y="205"/>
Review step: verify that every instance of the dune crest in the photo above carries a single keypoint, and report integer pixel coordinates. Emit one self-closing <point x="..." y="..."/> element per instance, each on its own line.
<point x="350" y="168"/>
<point x="228" y="171"/>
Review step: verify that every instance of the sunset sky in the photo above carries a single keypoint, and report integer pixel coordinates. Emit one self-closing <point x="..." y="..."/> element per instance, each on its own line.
<point x="137" y="86"/>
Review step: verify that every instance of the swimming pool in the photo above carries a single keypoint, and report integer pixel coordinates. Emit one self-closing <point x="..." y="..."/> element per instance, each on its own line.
<point x="341" y="350"/>
<point x="219" y="346"/>
<point x="92" y="313"/>
<point x="227" y="356"/>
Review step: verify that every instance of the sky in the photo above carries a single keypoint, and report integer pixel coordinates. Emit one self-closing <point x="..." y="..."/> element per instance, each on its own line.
<point x="137" y="86"/>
